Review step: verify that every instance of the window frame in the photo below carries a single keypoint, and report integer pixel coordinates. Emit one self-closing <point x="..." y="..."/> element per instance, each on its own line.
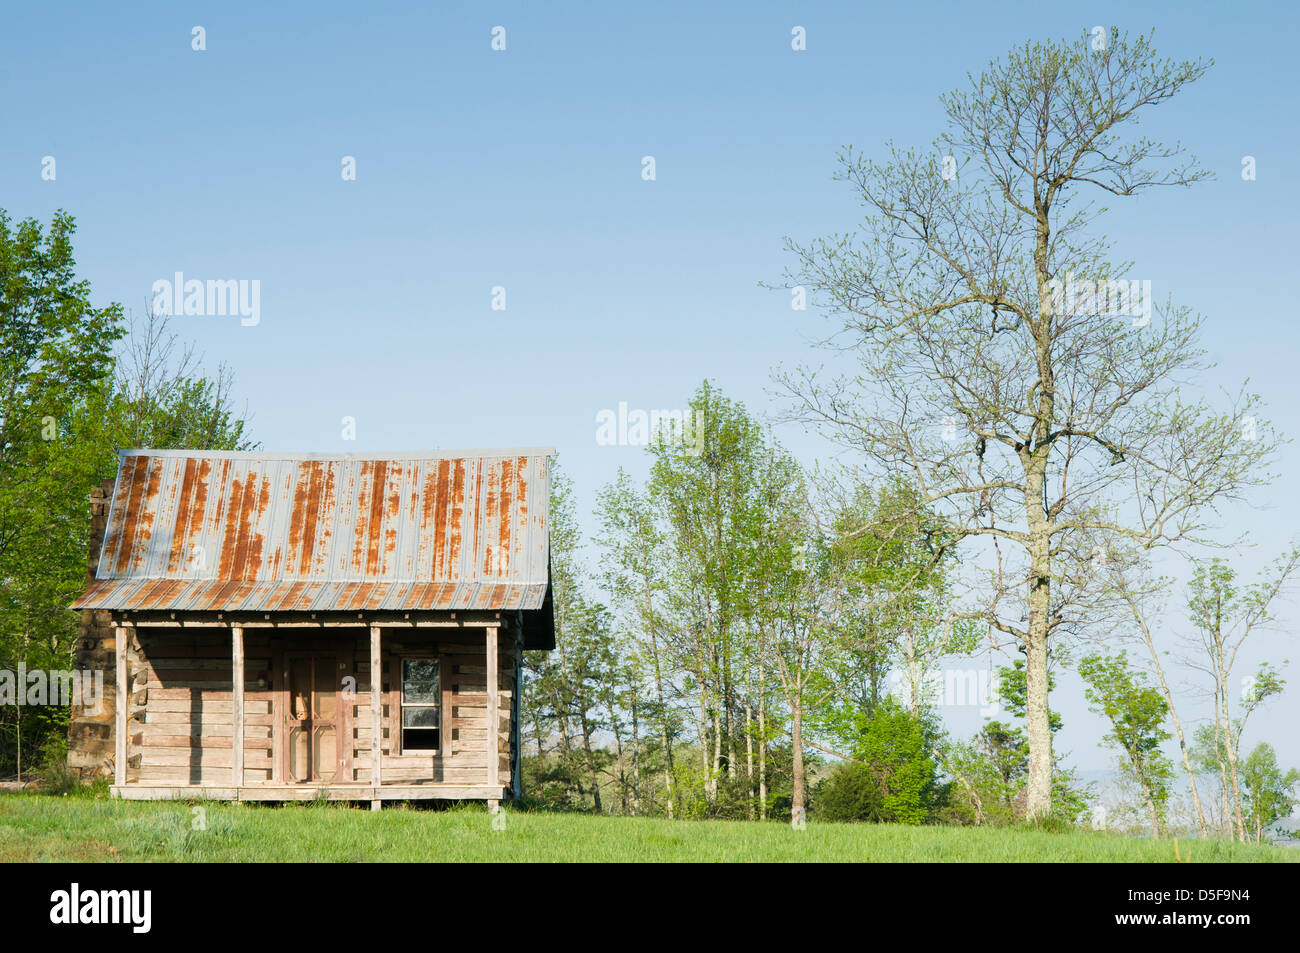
<point x="403" y="704"/>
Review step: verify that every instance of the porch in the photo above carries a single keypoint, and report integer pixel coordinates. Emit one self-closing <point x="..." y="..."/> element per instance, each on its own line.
<point x="388" y="791"/>
<point x="304" y="698"/>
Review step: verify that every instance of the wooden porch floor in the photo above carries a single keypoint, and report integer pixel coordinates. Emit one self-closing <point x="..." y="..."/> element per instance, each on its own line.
<point x="298" y="792"/>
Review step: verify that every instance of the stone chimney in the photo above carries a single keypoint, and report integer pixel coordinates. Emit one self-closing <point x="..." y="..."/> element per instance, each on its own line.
<point x="90" y="734"/>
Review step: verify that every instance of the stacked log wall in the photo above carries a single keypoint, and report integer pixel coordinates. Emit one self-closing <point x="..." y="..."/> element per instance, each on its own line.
<point x="91" y="736"/>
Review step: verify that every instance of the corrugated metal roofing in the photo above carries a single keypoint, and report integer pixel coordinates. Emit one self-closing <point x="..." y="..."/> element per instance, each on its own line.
<point x="309" y="532"/>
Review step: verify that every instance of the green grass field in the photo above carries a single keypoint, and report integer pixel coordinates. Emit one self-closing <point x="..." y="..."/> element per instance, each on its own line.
<point x="36" y="827"/>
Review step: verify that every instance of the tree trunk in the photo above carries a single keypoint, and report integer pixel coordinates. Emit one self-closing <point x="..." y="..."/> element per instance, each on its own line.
<point x="749" y="751"/>
<point x="1225" y="813"/>
<point x="1038" y="803"/>
<point x="913" y="674"/>
<point x="1039" y="794"/>
<point x="1178" y="728"/>
<point x="1229" y="742"/>
<point x="716" y="773"/>
<point x="1038" y="798"/>
<point x="704" y="740"/>
<point x="591" y="764"/>
<point x="636" y="758"/>
<point x="1230" y="746"/>
<point x="1151" y="808"/>
<point x="622" y="768"/>
<point x="1037" y="720"/>
<point x="728" y="704"/>
<point x="796" y="751"/>
<point x="762" y="742"/>
<point x="663" y="722"/>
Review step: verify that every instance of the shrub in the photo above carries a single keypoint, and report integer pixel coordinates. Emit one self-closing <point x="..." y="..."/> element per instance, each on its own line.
<point x="54" y="776"/>
<point x="896" y="746"/>
<point x="851" y="793"/>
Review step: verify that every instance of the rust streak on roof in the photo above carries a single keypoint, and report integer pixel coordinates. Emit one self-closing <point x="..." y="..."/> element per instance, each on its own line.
<point x="231" y="544"/>
<point x="257" y="533"/>
<point x="132" y="483"/>
<point x="144" y="529"/>
<point x="375" y="518"/>
<point x="185" y="501"/>
<point x="505" y="529"/>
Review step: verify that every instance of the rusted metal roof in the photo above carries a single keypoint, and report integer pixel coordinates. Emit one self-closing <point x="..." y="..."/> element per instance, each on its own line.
<point x="271" y="532"/>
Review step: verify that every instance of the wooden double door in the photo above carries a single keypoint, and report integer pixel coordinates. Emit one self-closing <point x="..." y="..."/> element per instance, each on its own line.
<point x="318" y="691"/>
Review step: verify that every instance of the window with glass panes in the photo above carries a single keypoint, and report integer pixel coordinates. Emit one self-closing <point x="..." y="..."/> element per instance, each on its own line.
<point x="421" y="704"/>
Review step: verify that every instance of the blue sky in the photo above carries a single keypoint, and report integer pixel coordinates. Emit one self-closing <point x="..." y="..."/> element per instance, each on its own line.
<point x="522" y="169"/>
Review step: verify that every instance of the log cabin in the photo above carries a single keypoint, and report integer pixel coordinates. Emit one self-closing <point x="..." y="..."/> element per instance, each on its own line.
<point x="296" y="626"/>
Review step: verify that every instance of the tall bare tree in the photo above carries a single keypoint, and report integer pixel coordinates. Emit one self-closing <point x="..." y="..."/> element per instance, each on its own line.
<point x="1225" y="615"/>
<point x="999" y="361"/>
<point x="1143" y="593"/>
<point x="164" y="396"/>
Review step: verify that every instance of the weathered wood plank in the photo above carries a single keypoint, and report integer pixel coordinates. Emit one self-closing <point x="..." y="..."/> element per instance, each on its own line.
<point x="222" y="694"/>
<point x="197" y="740"/>
<point x="122" y="701"/>
<point x="481" y="670"/>
<point x="216" y="687"/>
<point x="199" y="758"/>
<point x="492" y="701"/>
<point x="237" y="704"/>
<point x="219" y="778"/>
<point x="222" y="665"/>
<point x="376" y="709"/>
<point x="203" y="731"/>
<point x="252" y="706"/>
<point x="201" y="718"/>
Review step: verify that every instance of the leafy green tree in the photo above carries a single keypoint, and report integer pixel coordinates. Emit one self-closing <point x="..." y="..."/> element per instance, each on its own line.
<point x="634" y="571"/>
<point x="719" y="576"/>
<point x="896" y="745"/>
<point x="992" y="769"/>
<point x="896" y="565"/>
<point x="800" y="591"/>
<point x="68" y="402"/>
<point x="985" y="782"/>
<point x="1136" y="711"/>
<point x="55" y="383"/>
<point x="551" y="695"/>
<point x="1270" y="794"/>
<point x="1007" y="745"/>
<point x="709" y="509"/>
<point x="589" y="666"/>
<point x="699" y="564"/>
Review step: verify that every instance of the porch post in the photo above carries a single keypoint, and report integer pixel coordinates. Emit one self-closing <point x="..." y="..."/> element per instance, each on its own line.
<point x="493" y="687"/>
<point x="120" y="634"/>
<point x="516" y="735"/>
<point x="237" y="707"/>
<point x="376" y="716"/>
